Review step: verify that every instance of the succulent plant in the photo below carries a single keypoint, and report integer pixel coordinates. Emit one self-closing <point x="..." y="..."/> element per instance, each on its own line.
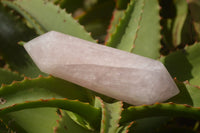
<point x="35" y="102"/>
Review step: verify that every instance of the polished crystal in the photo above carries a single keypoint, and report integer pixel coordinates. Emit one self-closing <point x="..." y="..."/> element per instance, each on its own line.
<point x="121" y="75"/>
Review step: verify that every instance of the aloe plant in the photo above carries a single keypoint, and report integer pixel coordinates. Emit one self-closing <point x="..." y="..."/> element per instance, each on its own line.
<point x="32" y="101"/>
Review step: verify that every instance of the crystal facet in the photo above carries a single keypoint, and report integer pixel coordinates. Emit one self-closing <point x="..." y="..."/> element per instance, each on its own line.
<point x="121" y="75"/>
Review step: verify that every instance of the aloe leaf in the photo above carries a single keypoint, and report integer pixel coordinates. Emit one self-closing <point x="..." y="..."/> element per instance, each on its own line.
<point x="116" y="17"/>
<point x="13" y="30"/>
<point x="188" y="35"/>
<point x="134" y="10"/>
<point x="11" y="126"/>
<point x="150" y="124"/>
<point x="159" y="109"/>
<point x="189" y="95"/>
<point x="122" y="4"/>
<point x="149" y="44"/>
<point x="7" y="76"/>
<point x="178" y="22"/>
<point x="38" y="120"/>
<point x="167" y="14"/>
<point x="180" y="125"/>
<point x="41" y="88"/>
<point x="184" y="64"/>
<point x="70" y="105"/>
<point x="96" y="20"/>
<point x="176" y="129"/>
<point x="4" y="128"/>
<point x="44" y="115"/>
<point x="132" y="33"/>
<point x="36" y="10"/>
<point x="80" y="120"/>
<point x="70" y="5"/>
<point x="194" y="7"/>
<point x="67" y="125"/>
<point x="110" y="115"/>
<point x="125" y="128"/>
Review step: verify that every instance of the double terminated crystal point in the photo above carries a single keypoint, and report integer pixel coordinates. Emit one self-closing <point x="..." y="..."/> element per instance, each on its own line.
<point x="121" y="75"/>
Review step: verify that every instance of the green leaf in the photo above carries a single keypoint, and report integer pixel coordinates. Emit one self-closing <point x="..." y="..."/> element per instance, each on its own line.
<point x="4" y="128"/>
<point x="116" y="17"/>
<point x="13" y="30"/>
<point x="184" y="64"/>
<point x="42" y="88"/>
<point x="96" y="20"/>
<point x="70" y="5"/>
<point x="7" y="77"/>
<point x="80" y="120"/>
<point x="139" y="30"/>
<point x="189" y="95"/>
<point x="87" y="111"/>
<point x="36" y="10"/>
<point x="39" y="120"/>
<point x="194" y="7"/>
<point x="125" y="128"/>
<point x="67" y="125"/>
<point x="159" y="109"/>
<point x="110" y="115"/>
<point x="188" y="35"/>
<point x="134" y="10"/>
<point x="150" y="124"/>
<point x="176" y="129"/>
<point x="176" y="23"/>
<point x="11" y="125"/>
<point x="122" y="4"/>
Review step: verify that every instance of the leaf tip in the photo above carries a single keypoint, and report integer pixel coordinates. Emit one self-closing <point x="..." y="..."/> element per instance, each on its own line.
<point x="21" y="43"/>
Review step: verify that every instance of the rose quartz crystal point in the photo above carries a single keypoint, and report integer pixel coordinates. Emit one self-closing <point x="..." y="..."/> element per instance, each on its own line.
<point x="121" y="75"/>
